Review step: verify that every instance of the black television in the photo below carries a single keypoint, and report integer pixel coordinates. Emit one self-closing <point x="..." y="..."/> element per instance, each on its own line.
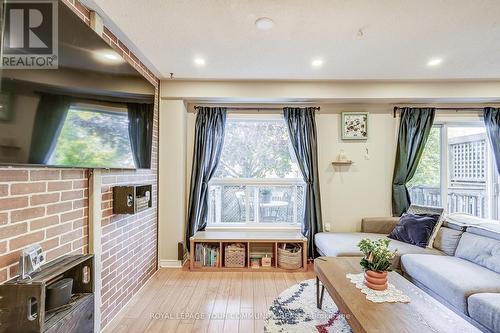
<point x="94" y="110"/>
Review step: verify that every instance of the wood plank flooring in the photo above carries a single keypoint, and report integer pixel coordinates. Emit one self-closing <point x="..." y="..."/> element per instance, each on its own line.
<point x="178" y="300"/>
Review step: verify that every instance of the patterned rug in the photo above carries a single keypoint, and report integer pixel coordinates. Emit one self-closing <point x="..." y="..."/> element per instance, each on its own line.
<point x="295" y="311"/>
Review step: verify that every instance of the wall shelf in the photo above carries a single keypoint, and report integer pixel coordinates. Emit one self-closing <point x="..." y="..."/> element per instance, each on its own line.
<point x="132" y="199"/>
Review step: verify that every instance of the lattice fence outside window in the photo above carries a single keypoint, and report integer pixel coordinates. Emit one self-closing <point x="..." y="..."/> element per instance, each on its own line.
<point x="468" y="159"/>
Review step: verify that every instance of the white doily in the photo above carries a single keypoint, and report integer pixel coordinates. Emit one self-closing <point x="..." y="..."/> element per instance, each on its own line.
<point x="391" y="294"/>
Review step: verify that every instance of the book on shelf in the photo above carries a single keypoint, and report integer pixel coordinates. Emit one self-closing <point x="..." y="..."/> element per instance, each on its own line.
<point x="206" y="255"/>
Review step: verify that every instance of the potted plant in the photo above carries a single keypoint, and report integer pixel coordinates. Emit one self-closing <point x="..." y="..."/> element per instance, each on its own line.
<point x="376" y="262"/>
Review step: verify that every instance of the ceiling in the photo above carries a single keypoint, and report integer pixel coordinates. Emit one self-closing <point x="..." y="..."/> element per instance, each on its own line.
<point x="356" y="39"/>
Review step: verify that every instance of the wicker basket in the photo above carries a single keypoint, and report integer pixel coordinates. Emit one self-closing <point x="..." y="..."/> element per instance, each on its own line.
<point x="288" y="259"/>
<point x="234" y="255"/>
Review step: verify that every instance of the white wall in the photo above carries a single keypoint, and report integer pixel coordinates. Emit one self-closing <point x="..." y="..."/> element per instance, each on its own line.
<point x="349" y="193"/>
<point x="172" y="180"/>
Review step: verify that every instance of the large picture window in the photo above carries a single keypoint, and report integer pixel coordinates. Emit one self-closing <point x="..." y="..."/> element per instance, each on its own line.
<point x="457" y="171"/>
<point x="258" y="181"/>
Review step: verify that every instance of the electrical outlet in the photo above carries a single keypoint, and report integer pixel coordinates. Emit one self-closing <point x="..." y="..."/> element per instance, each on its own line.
<point x="327" y="226"/>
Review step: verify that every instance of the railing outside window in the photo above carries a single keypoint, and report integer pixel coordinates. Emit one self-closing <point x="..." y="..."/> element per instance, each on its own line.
<point x="470" y="200"/>
<point x="236" y="202"/>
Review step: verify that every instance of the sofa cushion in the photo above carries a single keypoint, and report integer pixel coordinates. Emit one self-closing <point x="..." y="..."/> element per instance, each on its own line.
<point x="481" y="250"/>
<point x="467" y="220"/>
<point x="454" y="226"/>
<point x="486" y="230"/>
<point x="345" y="244"/>
<point x="342" y="244"/>
<point x="415" y="229"/>
<point x="453" y="279"/>
<point x="485" y="309"/>
<point x="447" y="240"/>
<point x="379" y="225"/>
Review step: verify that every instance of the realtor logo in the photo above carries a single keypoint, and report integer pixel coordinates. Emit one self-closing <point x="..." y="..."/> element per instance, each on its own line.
<point x="30" y="35"/>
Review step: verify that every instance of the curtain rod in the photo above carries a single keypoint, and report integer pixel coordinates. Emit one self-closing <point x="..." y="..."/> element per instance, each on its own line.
<point x="398" y="108"/>
<point x="243" y="108"/>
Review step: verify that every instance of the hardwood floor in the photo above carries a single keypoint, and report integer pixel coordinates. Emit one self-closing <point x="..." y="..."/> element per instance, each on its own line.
<point x="178" y="300"/>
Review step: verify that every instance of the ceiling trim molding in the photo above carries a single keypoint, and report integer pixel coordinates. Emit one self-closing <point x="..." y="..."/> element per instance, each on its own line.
<point x="332" y="91"/>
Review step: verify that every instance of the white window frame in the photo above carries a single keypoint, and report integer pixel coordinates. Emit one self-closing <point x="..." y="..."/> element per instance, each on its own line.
<point x="255" y="225"/>
<point x="492" y="183"/>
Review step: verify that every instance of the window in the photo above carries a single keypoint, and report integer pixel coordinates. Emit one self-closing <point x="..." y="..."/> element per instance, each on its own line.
<point x="258" y="181"/>
<point x="457" y="164"/>
<point x="425" y="186"/>
<point x="107" y="132"/>
<point x="468" y="159"/>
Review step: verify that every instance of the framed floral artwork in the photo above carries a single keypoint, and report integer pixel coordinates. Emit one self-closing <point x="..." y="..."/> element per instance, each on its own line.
<point x="354" y="125"/>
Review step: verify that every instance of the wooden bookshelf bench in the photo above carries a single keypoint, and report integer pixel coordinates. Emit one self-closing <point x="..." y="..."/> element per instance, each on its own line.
<point x="256" y="240"/>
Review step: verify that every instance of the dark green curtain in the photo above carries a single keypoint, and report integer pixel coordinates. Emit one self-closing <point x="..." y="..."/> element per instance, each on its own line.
<point x="140" y="130"/>
<point x="414" y="128"/>
<point x="492" y="123"/>
<point x="49" y="121"/>
<point x="302" y="131"/>
<point x="208" y="143"/>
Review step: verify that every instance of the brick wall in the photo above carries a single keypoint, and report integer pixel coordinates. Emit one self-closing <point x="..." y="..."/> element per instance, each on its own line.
<point x="129" y="243"/>
<point x="44" y="205"/>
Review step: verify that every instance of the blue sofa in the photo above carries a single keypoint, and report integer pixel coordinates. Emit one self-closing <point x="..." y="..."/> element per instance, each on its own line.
<point x="462" y="270"/>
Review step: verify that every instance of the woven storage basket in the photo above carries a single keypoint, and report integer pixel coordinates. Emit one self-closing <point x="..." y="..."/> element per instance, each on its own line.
<point x="234" y="255"/>
<point x="288" y="259"/>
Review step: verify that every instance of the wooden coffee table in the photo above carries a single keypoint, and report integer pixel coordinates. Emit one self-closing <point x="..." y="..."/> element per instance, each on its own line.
<point x="422" y="314"/>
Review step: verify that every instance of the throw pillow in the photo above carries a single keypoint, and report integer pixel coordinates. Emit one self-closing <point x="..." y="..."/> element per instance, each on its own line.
<point x="417" y="209"/>
<point x="447" y="240"/>
<point x="415" y="229"/>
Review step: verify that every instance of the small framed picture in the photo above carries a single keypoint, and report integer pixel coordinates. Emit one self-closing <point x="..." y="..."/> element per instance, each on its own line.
<point x="354" y="125"/>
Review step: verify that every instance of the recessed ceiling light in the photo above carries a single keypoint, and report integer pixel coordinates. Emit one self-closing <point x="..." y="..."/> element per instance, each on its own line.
<point x="317" y="63"/>
<point x="434" y="62"/>
<point x="108" y="56"/>
<point x="264" y="23"/>
<point x="199" y="61"/>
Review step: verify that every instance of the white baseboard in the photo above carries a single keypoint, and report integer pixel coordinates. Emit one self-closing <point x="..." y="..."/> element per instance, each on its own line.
<point x="170" y="263"/>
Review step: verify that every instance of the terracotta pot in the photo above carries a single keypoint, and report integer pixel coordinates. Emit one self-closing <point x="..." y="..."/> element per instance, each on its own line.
<point x="376" y="280"/>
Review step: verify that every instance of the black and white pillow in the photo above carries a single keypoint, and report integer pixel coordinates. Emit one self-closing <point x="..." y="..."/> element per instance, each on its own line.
<point x="415" y="229"/>
<point x="418" y="209"/>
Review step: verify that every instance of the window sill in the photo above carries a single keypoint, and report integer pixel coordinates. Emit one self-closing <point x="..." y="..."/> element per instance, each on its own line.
<point x="253" y="227"/>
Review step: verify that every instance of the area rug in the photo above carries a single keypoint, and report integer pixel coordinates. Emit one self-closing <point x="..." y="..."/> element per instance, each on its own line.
<point x="294" y="311"/>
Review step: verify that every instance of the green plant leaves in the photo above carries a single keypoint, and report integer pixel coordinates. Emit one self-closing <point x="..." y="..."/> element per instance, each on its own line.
<point x="377" y="256"/>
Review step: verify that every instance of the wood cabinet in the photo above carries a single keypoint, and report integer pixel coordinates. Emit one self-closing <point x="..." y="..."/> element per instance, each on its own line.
<point x="23" y="303"/>
<point x="253" y="241"/>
